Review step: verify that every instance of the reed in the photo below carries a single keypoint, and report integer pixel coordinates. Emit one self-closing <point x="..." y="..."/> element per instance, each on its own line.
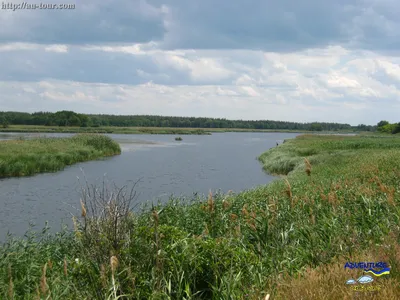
<point x="38" y="155"/>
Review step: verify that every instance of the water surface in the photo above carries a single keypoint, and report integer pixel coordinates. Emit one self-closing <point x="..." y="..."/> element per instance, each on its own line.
<point x="165" y="167"/>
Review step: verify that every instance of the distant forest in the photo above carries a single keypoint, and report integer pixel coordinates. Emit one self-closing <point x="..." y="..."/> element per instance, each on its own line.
<point x="70" y="118"/>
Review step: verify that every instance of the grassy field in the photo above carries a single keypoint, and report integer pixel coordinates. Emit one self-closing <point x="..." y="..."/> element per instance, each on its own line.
<point x="338" y="201"/>
<point x="133" y="130"/>
<point x="27" y="157"/>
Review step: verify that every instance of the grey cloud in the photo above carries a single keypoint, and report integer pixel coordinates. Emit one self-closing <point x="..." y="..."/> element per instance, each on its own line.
<point x="84" y="66"/>
<point x="77" y="64"/>
<point x="284" y="26"/>
<point x="281" y="26"/>
<point x="91" y="22"/>
<point x="270" y="25"/>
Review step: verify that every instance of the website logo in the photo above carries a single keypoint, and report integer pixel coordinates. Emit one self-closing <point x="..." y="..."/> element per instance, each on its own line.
<point x="377" y="269"/>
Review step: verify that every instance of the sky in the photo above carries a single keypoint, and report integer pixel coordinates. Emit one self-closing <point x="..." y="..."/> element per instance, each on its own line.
<point x="300" y="61"/>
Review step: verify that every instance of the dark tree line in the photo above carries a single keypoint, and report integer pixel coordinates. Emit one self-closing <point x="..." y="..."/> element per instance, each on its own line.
<point x="385" y="126"/>
<point x="70" y="118"/>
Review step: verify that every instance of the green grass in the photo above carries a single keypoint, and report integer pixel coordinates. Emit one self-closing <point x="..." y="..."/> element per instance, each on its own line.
<point x="270" y="239"/>
<point x="27" y="157"/>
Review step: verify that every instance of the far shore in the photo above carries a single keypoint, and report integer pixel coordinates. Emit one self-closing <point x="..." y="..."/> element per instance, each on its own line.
<point x="145" y="130"/>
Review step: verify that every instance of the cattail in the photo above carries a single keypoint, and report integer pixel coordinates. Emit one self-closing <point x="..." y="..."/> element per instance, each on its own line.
<point x="210" y="202"/>
<point x="390" y="196"/>
<point x="50" y="264"/>
<point x="308" y="166"/>
<point x="332" y="198"/>
<point x="206" y="231"/>
<point x="76" y="227"/>
<point x="103" y="276"/>
<point x="237" y="230"/>
<point x="11" y="284"/>
<point x="382" y="187"/>
<point x="288" y="189"/>
<point x="312" y="217"/>
<point x="225" y="204"/>
<point x="75" y="224"/>
<point x="244" y="211"/>
<point x="155" y="217"/>
<point x="43" y="281"/>
<point x="113" y="263"/>
<point x="252" y="225"/>
<point x="130" y="275"/>
<point x="65" y="267"/>
<point x="83" y="209"/>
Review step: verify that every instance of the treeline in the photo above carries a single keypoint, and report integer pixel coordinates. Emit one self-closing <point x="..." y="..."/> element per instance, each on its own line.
<point x="385" y="126"/>
<point x="70" y="118"/>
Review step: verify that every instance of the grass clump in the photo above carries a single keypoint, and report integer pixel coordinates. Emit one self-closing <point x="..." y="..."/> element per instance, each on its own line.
<point x="288" y="239"/>
<point x="28" y="157"/>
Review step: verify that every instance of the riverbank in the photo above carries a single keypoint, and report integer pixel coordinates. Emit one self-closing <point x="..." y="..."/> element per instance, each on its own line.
<point x="140" y="130"/>
<point x="340" y="204"/>
<point x="28" y="157"/>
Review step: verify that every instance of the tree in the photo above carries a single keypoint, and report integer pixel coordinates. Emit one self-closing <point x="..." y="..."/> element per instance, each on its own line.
<point x="382" y="125"/>
<point x="316" y="127"/>
<point x="4" y="122"/>
<point x="396" y="128"/>
<point x="74" y="121"/>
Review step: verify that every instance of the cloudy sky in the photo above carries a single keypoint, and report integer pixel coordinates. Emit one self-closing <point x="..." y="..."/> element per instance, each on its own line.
<point x="309" y="60"/>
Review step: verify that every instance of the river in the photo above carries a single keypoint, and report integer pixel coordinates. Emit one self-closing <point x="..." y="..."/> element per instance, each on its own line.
<point x="163" y="166"/>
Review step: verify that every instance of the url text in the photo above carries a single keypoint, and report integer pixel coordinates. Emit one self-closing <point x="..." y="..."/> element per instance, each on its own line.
<point x="25" y="5"/>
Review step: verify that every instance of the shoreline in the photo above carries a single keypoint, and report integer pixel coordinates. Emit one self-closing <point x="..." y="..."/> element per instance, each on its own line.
<point x="151" y="130"/>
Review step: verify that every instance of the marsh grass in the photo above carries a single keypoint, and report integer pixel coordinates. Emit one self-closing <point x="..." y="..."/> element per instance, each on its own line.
<point x="27" y="157"/>
<point x="289" y="239"/>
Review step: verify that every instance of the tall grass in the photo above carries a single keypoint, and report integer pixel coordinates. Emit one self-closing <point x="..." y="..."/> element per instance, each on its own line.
<point x="28" y="157"/>
<point x="340" y="201"/>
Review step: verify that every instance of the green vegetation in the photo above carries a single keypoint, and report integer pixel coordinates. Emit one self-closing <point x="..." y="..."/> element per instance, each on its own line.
<point x="70" y="118"/>
<point x="27" y="157"/>
<point x="178" y="138"/>
<point x="386" y="127"/>
<point x="107" y="129"/>
<point x="339" y="201"/>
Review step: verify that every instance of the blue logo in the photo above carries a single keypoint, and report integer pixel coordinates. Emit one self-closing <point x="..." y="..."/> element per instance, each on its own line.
<point x="367" y="267"/>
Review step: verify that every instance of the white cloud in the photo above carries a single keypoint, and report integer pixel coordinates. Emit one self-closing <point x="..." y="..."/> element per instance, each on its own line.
<point x="391" y="69"/>
<point x="234" y="102"/>
<point x="315" y="84"/>
<point x="57" y="48"/>
<point x="201" y="69"/>
<point x="18" y="46"/>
